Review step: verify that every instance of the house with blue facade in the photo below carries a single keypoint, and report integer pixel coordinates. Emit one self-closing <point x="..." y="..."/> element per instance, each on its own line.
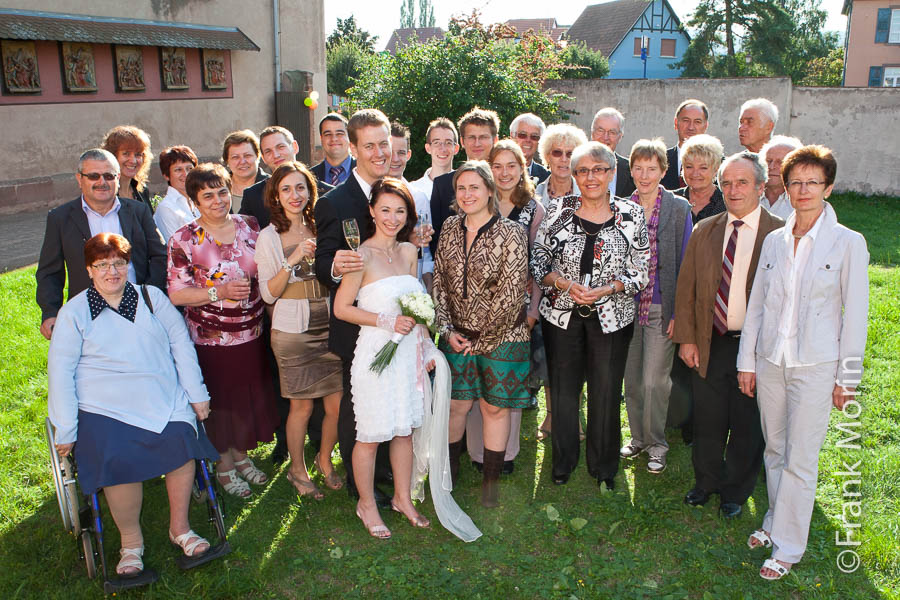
<point x="616" y="29"/>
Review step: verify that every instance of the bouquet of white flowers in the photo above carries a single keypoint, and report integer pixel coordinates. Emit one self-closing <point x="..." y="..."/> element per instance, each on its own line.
<point x="417" y="305"/>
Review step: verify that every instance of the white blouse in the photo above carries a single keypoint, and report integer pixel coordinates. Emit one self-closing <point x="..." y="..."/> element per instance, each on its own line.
<point x="289" y="316"/>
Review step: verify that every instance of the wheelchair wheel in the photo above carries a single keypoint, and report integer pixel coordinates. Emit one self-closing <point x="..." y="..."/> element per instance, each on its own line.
<point x="90" y="559"/>
<point x="62" y="472"/>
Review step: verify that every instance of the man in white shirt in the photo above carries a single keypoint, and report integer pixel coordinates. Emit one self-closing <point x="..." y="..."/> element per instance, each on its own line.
<point x="175" y="210"/>
<point x="442" y="144"/>
<point x="776" y="199"/>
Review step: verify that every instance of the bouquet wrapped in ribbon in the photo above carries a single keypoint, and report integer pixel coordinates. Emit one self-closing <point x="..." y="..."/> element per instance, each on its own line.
<point x="417" y="305"/>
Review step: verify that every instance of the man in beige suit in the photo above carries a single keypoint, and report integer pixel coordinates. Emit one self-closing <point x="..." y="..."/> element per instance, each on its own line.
<point x="710" y="304"/>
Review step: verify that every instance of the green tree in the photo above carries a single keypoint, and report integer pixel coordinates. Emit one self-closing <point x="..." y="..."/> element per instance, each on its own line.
<point x="472" y="65"/>
<point x="344" y="60"/>
<point x="408" y="14"/>
<point x="347" y="29"/>
<point x="583" y="63"/>
<point x="827" y="71"/>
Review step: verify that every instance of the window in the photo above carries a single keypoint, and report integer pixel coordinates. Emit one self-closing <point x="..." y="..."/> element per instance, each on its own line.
<point x="894" y="35"/>
<point x="667" y="48"/>
<point x="887" y="26"/>
<point x="892" y="77"/>
<point x="637" y="47"/>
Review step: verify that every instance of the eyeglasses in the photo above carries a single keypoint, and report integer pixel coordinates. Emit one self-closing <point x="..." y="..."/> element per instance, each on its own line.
<point x="97" y="176"/>
<point x="595" y="171"/>
<point x="116" y="265"/>
<point x="811" y="184"/>
<point x="442" y="144"/>
<point x="535" y="137"/>
<point x="604" y="132"/>
<point x="482" y="139"/>
<point x="557" y="153"/>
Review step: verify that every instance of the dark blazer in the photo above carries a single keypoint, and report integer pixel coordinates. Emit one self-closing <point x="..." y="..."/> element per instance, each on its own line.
<point x="63" y="251"/>
<point x="322" y="175"/>
<point x="538" y="170"/>
<point x="716" y="203"/>
<point x="254" y="202"/>
<point x="442" y="196"/>
<point x="346" y="201"/>
<point x="699" y="278"/>
<point x="142" y="195"/>
<point x="672" y="179"/>
<point x="624" y="183"/>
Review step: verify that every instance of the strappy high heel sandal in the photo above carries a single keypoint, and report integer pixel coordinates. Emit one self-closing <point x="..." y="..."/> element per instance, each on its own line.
<point x="332" y="480"/>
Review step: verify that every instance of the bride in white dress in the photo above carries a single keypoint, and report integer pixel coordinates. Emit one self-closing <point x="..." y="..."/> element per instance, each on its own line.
<point x="391" y="405"/>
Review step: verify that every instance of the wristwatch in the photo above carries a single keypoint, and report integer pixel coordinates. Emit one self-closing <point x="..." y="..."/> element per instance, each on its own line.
<point x="288" y="267"/>
<point x="213" y="294"/>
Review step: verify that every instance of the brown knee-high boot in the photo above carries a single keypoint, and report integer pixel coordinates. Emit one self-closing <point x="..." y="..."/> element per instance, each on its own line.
<point x="490" y="484"/>
<point x="456" y="449"/>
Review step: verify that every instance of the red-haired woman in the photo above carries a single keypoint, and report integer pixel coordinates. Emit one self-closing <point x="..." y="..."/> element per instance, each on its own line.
<point x="131" y="147"/>
<point x="285" y="251"/>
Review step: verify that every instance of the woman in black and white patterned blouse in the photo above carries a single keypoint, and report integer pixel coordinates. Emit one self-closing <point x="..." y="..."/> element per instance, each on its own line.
<point x="591" y="257"/>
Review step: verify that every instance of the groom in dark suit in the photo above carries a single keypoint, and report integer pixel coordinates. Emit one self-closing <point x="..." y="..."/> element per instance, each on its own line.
<point x="98" y="210"/>
<point x="369" y="132"/>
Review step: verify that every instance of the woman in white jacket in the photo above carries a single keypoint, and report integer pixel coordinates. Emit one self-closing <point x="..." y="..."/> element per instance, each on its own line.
<point x="802" y="347"/>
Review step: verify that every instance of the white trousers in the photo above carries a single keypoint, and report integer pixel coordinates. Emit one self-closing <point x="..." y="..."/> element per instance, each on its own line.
<point x="794" y="408"/>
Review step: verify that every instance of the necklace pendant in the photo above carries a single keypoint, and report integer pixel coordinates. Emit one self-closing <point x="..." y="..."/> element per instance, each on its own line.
<point x="390" y="260"/>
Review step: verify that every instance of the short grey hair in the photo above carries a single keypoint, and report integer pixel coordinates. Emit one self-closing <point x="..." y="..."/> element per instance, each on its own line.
<point x="760" y="171"/>
<point x="780" y="140"/>
<point x="705" y="147"/>
<point x="529" y="119"/>
<point x="607" y="112"/>
<point x="560" y="134"/>
<point x="97" y="154"/>
<point x="483" y="169"/>
<point x="765" y="106"/>
<point x="596" y="150"/>
<point x="648" y="149"/>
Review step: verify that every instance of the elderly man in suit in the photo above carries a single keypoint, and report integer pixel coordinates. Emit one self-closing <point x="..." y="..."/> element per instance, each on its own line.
<point x="527" y="129"/>
<point x="757" y="122"/>
<point x="691" y="118"/>
<point x="369" y="132"/>
<point x="710" y="305"/>
<point x="98" y="210"/>
<point x="608" y="127"/>
<point x="478" y="132"/>
<point x="338" y="163"/>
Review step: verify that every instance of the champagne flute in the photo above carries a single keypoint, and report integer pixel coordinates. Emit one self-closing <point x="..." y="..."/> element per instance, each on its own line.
<point x="309" y="260"/>
<point x="351" y="233"/>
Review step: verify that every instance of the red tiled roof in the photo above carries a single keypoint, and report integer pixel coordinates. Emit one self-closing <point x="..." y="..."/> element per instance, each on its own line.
<point x="548" y="26"/>
<point x="403" y="36"/>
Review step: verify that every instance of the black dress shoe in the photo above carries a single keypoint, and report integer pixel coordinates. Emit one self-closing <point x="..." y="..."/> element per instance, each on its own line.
<point x="730" y="510"/>
<point x="696" y="497"/>
<point x="561" y="479"/>
<point x="508" y="467"/>
<point x="478" y="466"/>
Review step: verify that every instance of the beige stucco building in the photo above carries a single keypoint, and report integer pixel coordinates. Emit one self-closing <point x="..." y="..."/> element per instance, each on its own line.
<point x="872" y="44"/>
<point x="255" y="47"/>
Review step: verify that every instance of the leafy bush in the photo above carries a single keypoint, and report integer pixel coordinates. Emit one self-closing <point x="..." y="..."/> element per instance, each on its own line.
<point x="583" y="63"/>
<point x="344" y="61"/>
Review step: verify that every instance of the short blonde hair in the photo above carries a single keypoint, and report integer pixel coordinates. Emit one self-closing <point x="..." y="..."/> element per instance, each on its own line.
<point x="645" y="148"/>
<point x="483" y="169"/>
<point x="704" y="147"/>
<point x="560" y="134"/>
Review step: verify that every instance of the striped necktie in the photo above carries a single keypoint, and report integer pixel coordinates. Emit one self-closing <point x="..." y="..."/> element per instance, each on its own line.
<point x="336" y="173"/>
<point x="720" y="312"/>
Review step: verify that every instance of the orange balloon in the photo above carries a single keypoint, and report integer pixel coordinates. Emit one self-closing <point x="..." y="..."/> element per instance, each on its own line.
<point x="314" y="105"/>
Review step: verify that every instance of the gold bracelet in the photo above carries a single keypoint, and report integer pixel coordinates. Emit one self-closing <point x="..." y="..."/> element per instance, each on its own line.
<point x="556" y="281"/>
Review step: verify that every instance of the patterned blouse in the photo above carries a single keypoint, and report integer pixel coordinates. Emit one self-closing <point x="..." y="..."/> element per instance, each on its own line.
<point x="196" y="259"/>
<point x="481" y="294"/>
<point x="621" y="252"/>
<point x="530" y="217"/>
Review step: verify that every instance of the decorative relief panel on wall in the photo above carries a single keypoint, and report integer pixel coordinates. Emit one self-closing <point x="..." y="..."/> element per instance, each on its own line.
<point x="79" y="70"/>
<point x="20" y="67"/>
<point x="129" y="64"/>
<point x="214" y="76"/>
<point x="173" y="69"/>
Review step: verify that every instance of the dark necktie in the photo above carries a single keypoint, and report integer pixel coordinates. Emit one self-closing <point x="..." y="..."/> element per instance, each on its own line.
<point x="335" y="174"/>
<point x="720" y="312"/>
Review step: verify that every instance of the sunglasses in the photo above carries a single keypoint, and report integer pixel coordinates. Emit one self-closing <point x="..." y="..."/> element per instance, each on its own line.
<point x="97" y="176"/>
<point x="557" y="153"/>
<point x="535" y="137"/>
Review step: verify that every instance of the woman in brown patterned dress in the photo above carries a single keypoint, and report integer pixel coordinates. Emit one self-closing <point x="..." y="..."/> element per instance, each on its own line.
<point x="480" y="275"/>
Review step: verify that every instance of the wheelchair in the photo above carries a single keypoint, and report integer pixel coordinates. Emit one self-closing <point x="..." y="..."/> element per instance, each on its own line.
<point x="82" y="518"/>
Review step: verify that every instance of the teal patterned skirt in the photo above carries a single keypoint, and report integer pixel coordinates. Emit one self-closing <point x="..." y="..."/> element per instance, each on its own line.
<point x="500" y="377"/>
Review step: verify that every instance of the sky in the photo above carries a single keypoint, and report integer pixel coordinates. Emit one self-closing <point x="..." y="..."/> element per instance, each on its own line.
<point x="383" y="16"/>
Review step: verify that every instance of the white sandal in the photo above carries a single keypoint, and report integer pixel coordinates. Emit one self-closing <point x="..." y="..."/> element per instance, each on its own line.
<point x="131" y="557"/>
<point x="235" y="485"/>
<point x="773" y="565"/>
<point x="182" y="541"/>
<point x="251" y="473"/>
<point x="761" y="537"/>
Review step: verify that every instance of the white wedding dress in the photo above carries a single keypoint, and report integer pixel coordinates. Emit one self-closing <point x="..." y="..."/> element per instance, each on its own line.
<point x="402" y="400"/>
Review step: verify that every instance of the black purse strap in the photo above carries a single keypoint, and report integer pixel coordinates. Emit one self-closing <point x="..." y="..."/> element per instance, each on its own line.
<point x="146" y="296"/>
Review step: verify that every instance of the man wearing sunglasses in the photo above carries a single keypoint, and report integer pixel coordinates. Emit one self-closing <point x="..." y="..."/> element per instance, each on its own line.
<point x="526" y="130"/>
<point x="98" y="210"/>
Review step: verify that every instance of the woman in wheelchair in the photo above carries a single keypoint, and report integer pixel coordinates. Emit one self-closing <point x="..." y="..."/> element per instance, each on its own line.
<point x="124" y="384"/>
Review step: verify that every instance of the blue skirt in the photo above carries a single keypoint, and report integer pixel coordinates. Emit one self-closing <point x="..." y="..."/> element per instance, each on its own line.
<point x="110" y="452"/>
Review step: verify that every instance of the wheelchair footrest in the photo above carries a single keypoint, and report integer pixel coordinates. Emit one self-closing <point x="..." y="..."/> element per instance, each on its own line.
<point x="117" y="584"/>
<point x="185" y="562"/>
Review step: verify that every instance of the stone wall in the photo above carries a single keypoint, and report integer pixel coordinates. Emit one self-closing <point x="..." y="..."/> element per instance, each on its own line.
<point x="859" y="124"/>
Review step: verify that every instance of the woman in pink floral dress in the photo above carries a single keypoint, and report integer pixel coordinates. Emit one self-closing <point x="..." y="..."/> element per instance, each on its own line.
<point x="212" y="273"/>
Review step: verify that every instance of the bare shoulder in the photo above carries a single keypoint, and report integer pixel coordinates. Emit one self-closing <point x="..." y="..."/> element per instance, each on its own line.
<point x="409" y="250"/>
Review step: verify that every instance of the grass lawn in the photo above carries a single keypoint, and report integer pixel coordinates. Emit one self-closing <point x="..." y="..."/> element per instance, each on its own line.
<point x="640" y="541"/>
